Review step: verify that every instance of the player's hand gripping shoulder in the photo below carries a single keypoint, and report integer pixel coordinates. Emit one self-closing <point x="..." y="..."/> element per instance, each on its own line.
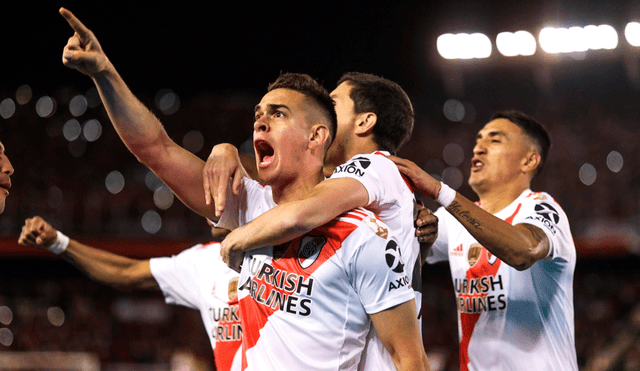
<point x="223" y="165"/>
<point x="37" y="233"/>
<point x="422" y="182"/>
<point x="83" y="51"/>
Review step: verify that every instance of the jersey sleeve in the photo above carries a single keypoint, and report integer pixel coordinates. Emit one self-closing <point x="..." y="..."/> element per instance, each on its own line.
<point x="378" y="275"/>
<point x="178" y="277"/>
<point x="377" y="174"/>
<point x="544" y="212"/>
<point x="440" y="249"/>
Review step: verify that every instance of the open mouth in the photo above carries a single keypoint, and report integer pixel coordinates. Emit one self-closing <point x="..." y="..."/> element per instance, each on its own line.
<point x="265" y="153"/>
<point x="476" y="164"/>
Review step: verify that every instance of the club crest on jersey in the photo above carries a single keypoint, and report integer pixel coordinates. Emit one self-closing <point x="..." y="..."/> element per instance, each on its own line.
<point x="357" y="166"/>
<point x="310" y="247"/>
<point x="474" y="254"/>
<point x="393" y="257"/>
<point x="233" y="288"/>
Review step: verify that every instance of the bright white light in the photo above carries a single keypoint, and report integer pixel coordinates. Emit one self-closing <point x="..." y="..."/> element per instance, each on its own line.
<point x="7" y="108"/>
<point x="78" y="105"/>
<point x="587" y="174"/>
<point x="71" y="130"/>
<point x="577" y="39"/>
<point x="464" y="46"/>
<point x="151" y="222"/>
<point x="615" y="161"/>
<point x="518" y="43"/>
<point x="45" y="106"/>
<point x="114" y="182"/>
<point x="6" y="315"/>
<point x="632" y="33"/>
<point x="6" y="337"/>
<point x="92" y="130"/>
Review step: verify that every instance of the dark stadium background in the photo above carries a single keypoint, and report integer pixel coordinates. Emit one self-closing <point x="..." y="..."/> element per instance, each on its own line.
<point x="218" y="59"/>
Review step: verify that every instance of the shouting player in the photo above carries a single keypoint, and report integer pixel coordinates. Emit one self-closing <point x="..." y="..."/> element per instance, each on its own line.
<point x="511" y="254"/>
<point x="309" y="304"/>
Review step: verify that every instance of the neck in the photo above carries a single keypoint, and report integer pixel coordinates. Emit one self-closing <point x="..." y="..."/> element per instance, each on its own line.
<point x="296" y="188"/>
<point x="359" y="146"/>
<point x="498" y="197"/>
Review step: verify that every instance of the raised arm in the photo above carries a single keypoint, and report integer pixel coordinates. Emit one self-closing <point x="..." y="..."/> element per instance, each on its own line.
<point x="519" y="246"/>
<point x="398" y="330"/>
<point x="139" y="129"/>
<point x="102" y="266"/>
<point x="329" y="199"/>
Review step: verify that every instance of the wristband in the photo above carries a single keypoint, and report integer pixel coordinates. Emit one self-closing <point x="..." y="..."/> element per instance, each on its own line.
<point x="60" y="245"/>
<point x="446" y="195"/>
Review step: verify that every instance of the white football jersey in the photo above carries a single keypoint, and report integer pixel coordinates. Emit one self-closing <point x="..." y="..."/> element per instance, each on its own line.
<point x="392" y="199"/>
<point x="510" y="319"/>
<point x="305" y="305"/>
<point x="198" y="278"/>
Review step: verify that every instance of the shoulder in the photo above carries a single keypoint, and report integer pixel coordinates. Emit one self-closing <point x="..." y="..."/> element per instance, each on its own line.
<point x="361" y="164"/>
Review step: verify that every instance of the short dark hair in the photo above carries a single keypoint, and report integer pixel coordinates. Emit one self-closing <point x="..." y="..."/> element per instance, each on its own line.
<point x="389" y="102"/>
<point x="311" y="89"/>
<point x="533" y="129"/>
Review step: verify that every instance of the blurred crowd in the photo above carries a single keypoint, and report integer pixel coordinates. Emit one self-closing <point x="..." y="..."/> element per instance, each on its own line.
<point x="68" y="179"/>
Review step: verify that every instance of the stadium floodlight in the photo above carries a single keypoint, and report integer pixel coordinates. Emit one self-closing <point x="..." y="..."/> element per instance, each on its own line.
<point x="514" y="44"/>
<point x="632" y="33"/>
<point x="578" y="39"/>
<point x="464" y="46"/>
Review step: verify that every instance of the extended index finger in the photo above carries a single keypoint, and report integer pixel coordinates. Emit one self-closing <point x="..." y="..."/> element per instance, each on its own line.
<point x="74" y="22"/>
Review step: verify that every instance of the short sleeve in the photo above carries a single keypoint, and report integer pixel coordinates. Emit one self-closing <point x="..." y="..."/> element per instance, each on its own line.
<point x="378" y="275"/>
<point x="544" y="213"/>
<point x="377" y="174"/>
<point x="178" y="277"/>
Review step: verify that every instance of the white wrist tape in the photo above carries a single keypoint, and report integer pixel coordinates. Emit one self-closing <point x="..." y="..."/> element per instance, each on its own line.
<point x="446" y="195"/>
<point x="60" y="245"/>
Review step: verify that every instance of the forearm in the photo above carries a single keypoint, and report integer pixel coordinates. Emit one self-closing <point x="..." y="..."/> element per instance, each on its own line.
<point x="138" y="128"/>
<point x="398" y="329"/>
<point x="290" y="220"/>
<point x="145" y="137"/>
<point x="276" y="226"/>
<point x="110" y="269"/>
<point x="518" y="246"/>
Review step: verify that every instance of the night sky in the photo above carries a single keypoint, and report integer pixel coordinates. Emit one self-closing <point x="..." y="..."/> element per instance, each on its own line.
<point x="191" y="47"/>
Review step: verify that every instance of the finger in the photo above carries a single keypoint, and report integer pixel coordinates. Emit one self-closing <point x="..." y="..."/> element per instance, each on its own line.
<point x="207" y="190"/>
<point x="237" y="180"/>
<point x="75" y="23"/>
<point x="220" y="199"/>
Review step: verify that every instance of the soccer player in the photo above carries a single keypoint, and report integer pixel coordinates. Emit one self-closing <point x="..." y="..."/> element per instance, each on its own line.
<point x="6" y="169"/>
<point x="196" y="278"/>
<point x="375" y="117"/>
<point x="295" y="122"/>
<point x="511" y="254"/>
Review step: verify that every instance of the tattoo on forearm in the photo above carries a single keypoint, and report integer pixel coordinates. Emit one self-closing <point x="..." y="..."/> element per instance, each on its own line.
<point x="456" y="209"/>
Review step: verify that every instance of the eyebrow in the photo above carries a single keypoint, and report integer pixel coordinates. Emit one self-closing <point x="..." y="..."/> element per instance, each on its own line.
<point x="493" y="133"/>
<point x="271" y="107"/>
